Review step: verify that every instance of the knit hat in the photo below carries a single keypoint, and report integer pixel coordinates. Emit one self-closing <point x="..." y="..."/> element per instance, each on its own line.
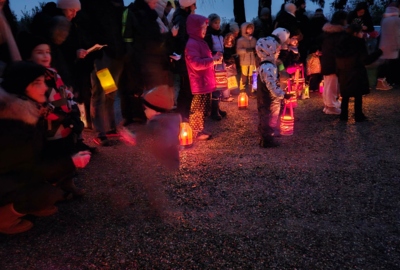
<point x="212" y="17"/>
<point x="27" y="43"/>
<point x="160" y="98"/>
<point x="234" y="27"/>
<point x="18" y="75"/>
<point x="186" y="3"/>
<point x="67" y="4"/>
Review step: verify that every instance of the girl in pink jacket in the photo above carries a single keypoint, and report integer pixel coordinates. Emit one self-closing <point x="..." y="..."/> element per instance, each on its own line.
<point x="200" y="65"/>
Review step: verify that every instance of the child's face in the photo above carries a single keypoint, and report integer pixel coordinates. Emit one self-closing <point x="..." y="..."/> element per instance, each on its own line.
<point x="41" y="55"/>
<point x="204" y="29"/>
<point x="216" y="24"/>
<point x="36" y="90"/>
<point x="249" y="30"/>
<point x="152" y="3"/>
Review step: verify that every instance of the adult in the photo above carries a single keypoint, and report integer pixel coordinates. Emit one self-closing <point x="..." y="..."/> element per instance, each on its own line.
<point x="287" y="19"/>
<point x="317" y="21"/>
<point x="361" y="16"/>
<point x="330" y="37"/>
<point x="389" y="43"/>
<point x="263" y="24"/>
<point x="304" y="25"/>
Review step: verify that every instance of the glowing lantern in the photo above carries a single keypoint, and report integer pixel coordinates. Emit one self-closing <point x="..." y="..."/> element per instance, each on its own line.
<point x="254" y="78"/>
<point x="185" y="135"/>
<point x="106" y="81"/>
<point x="243" y="101"/>
<point x="321" y="87"/>
<point x="306" y="92"/>
<point x="287" y="121"/>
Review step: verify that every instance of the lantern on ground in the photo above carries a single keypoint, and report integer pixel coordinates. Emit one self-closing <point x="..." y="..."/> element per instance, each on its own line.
<point x="243" y="101"/>
<point x="287" y="120"/>
<point x="185" y="135"/>
<point x="306" y="92"/>
<point x="254" y="78"/>
<point x="321" y="87"/>
<point x="292" y="90"/>
<point x="106" y="80"/>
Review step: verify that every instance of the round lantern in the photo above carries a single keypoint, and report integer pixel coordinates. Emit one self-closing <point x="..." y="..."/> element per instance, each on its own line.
<point x="243" y="101"/>
<point x="287" y="120"/>
<point x="185" y="135"/>
<point x="106" y="80"/>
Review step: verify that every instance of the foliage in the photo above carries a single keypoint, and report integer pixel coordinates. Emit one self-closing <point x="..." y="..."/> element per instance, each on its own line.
<point x="27" y="16"/>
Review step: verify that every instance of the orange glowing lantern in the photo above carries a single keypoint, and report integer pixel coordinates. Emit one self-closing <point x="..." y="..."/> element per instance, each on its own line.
<point x="106" y="80"/>
<point x="243" y="101"/>
<point x="185" y="135"/>
<point x="287" y="121"/>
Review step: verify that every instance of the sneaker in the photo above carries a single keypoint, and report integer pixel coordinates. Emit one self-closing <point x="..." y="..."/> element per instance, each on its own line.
<point x="361" y="118"/>
<point x="268" y="143"/>
<point x="229" y="99"/>
<point x="222" y="113"/>
<point x="103" y="141"/>
<point x="203" y="136"/>
<point x="382" y="84"/>
<point x="332" y="110"/>
<point x="45" y="212"/>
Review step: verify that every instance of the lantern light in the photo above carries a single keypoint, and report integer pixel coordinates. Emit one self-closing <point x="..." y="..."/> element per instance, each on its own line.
<point x="287" y="121"/>
<point x="185" y="135"/>
<point x="106" y="80"/>
<point x="321" y="86"/>
<point x="243" y="101"/>
<point x="254" y="78"/>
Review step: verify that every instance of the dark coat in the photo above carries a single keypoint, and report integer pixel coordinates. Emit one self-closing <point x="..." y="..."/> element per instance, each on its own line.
<point x="351" y="58"/>
<point x="22" y="141"/>
<point x="329" y="40"/>
<point x="289" y="22"/>
<point x="179" y="41"/>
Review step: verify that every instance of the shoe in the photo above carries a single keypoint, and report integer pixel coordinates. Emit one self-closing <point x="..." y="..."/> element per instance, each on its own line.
<point x="81" y="146"/>
<point x="103" y="141"/>
<point x="229" y="99"/>
<point x="45" y="212"/>
<point x="268" y="143"/>
<point x="11" y="222"/>
<point x="216" y="117"/>
<point x="382" y="84"/>
<point x="203" y="136"/>
<point x="361" y="118"/>
<point x="112" y="133"/>
<point x="222" y="113"/>
<point x="332" y="110"/>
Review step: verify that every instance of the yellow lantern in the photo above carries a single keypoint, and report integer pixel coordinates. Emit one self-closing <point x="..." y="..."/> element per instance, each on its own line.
<point x="185" y="135"/>
<point x="287" y="121"/>
<point x="243" y="101"/>
<point x="306" y="92"/>
<point x="106" y="80"/>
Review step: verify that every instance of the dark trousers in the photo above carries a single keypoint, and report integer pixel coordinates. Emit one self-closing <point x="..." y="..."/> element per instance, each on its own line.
<point x="357" y="106"/>
<point x="185" y="97"/>
<point x="314" y="81"/>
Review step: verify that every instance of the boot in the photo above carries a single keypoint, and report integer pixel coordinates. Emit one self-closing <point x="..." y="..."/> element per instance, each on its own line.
<point x="382" y="84"/>
<point x="268" y="143"/>
<point x="215" y="110"/>
<point x="222" y="113"/>
<point x="10" y="222"/>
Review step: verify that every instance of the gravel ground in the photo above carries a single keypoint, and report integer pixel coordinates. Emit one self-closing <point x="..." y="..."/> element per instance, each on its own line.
<point x="327" y="198"/>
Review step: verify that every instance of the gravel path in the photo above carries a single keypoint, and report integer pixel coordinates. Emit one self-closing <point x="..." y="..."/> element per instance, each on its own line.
<point x="327" y="198"/>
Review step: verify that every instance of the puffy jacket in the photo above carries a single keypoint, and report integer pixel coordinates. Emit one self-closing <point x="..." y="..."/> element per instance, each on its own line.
<point x="244" y="46"/>
<point x="199" y="61"/>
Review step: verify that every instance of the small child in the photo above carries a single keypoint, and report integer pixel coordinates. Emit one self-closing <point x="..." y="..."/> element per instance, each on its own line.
<point x="314" y="69"/>
<point x="200" y="65"/>
<point x="269" y="94"/>
<point x="245" y="48"/>
<point x="230" y="58"/>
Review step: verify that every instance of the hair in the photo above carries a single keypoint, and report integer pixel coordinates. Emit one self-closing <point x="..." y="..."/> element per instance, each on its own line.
<point x="353" y="28"/>
<point x="339" y="17"/>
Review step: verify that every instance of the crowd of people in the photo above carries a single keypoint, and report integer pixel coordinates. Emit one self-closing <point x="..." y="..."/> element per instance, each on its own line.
<point x="162" y="58"/>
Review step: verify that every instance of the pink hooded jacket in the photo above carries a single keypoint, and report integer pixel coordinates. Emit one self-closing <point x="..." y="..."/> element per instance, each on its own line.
<point x="199" y="61"/>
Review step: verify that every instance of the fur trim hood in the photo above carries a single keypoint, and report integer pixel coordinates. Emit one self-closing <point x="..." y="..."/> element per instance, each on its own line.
<point x="333" y="28"/>
<point x="14" y="108"/>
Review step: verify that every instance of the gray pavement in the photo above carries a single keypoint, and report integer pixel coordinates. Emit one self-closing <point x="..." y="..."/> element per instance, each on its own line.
<point x="327" y="198"/>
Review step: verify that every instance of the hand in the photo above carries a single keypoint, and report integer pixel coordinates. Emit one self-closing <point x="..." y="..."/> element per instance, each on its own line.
<point x="81" y="159"/>
<point x="288" y="96"/>
<point x="81" y="53"/>
<point x="175" y="30"/>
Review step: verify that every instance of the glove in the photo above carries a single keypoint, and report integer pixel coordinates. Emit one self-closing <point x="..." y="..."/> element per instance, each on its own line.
<point x="288" y="96"/>
<point x="81" y="159"/>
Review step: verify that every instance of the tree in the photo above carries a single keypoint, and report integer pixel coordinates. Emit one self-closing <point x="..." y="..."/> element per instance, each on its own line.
<point x="239" y="12"/>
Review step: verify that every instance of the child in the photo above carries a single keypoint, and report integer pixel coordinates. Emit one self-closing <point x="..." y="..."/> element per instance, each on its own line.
<point x="269" y="94"/>
<point x="215" y="42"/>
<point x="314" y="69"/>
<point x="230" y="63"/>
<point x="351" y="59"/>
<point x="200" y="64"/>
<point x="245" y="48"/>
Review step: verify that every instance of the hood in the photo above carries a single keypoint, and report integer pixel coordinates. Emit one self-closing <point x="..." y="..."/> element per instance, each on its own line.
<point x="333" y="28"/>
<point x="14" y="108"/>
<point x="243" y="29"/>
<point x="268" y="49"/>
<point x="391" y="12"/>
<point x="193" y="25"/>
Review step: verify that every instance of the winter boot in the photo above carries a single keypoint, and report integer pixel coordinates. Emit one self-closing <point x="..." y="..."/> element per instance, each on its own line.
<point x="382" y="84"/>
<point x="268" y="143"/>
<point x="10" y="222"/>
<point x="215" y="110"/>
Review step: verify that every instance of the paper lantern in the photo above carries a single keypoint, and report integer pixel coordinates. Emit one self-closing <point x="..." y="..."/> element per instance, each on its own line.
<point x="306" y="92"/>
<point x="254" y="78"/>
<point x="243" y="101"/>
<point x="185" y="135"/>
<point x="292" y="90"/>
<point x="232" y="83"/>
<point x="287" y="120"/>
<point x="321" y="87"/>
<point x="106" y="80"/>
